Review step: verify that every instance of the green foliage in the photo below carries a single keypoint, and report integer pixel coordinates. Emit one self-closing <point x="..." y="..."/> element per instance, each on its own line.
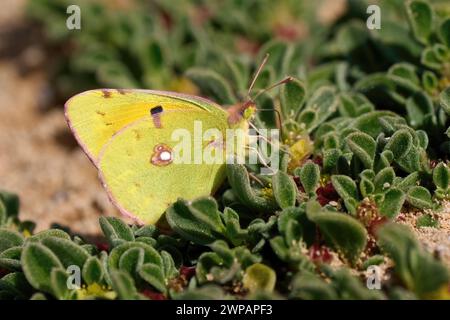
<point x="417" y="269"/>
<point x="345" y="233"/>
<point x="310" y="177"/>
<point x="284" y="189"/>
<point x="259" y="277"/>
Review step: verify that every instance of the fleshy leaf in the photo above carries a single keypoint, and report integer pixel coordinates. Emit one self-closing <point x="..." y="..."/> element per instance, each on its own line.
<point x="363" y="146"/>
<point x="309" y="177"/>
<point x="419" y="197"/>
<point x="284" y="189"/>
<point x="259" y="277"/>
<point x="347" y="234"/>
<point x="93" y="271"/>
<point x="441" y="176"/>
<point x="153" y="275"/>
<point x="68" y="252"/>
<point x="344" y="186"/>
<point x="37" y="263"/>
<point x="124" y="285"/>
<point x="420" y="16"/>
<point x="400" y="143"/>
<point x="115" y="230"/>
<point x="292" y="97"/>
<point x="418" y="269"/>
<point x="392" y="202"/>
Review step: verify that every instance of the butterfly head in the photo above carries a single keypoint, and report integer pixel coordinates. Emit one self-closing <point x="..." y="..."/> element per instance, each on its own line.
<point x="248" y="110"/>
<point x="241" y="112"/>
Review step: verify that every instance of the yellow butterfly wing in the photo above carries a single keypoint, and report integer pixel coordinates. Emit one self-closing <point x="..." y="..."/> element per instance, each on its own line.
<point x="95" y="116"/>
<point x="122" y="137"/>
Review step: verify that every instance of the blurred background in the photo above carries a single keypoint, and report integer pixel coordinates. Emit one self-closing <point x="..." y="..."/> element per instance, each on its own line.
<point x="156" y="45"/>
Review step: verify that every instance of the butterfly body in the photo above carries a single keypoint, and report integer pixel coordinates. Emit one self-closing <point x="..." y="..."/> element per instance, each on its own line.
<point x="131" y="137"/>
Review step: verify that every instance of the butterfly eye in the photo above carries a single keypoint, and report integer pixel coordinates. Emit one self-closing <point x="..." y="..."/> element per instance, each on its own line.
<point x="162" y="155"/>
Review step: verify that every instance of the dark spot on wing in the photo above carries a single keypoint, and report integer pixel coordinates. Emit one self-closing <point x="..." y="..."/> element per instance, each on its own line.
<point x="156" y="110"/>
<point x="156" y="115"/>
<point x="100" y="113"/>
<point x="137" y="134"/>
<point x="106" y="93"/>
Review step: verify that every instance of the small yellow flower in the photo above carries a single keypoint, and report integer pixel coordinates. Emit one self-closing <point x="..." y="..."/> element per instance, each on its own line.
<point x="443" y="293"/>
<point x="26" y="233"/>
<point x="267" y="193"/>
<point x="299" y="151"/>
<point x="96" y="291"/>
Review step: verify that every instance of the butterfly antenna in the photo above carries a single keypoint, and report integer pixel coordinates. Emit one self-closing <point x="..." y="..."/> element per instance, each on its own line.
<point x="279" y="83"/>
<point x="266" y="139"/>
<point x="261" y="157"/>
<point x="279" y="124"/>
<point x="256" y="75"/>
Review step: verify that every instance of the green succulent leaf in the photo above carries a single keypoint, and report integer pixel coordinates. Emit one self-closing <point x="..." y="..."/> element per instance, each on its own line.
<point x="344" y="232"/>
<point x="427" y="220"/>
<point x="259" y="277"/>
<point x="419" y="197"/>
<point x="115" y="230"/>
<point x="150" y="254"/>
<point x="366" y="187"/>
<point x="10" y="258"/>
<point x="58" y="282"/>
<point x="441" y="176"/>
<point x="322" y="104"/>
<point x="421" y="18"/>
<point x="240" y="182"/>
<point x="153" y="274"/>
<point x="132" y="260"/>
<point x="384" y="179"/>
<point x="284" y="189"/>
<point x="9" y="239"/>
<point x="444" y="32"/>
<point x="400" y="143"/>
<point x="93" y="271"/>
<point x="16" y="286"/>
<point x="345" y="186"/>
<point x="418" y="270"/>
<point x="292" y="97"/>
<point x="363" y="146"/>
<point x="50" y="233"/>
<point x="67" y="251"/>
<point x="309" y="177"/>
<point x="444" y="98"/>
<point x="199" y="221"/>
<point x="11" y="202"/>
<point x="38" y="262"/>
<point x="392" y="202"/>
<point x="124" y="285"/>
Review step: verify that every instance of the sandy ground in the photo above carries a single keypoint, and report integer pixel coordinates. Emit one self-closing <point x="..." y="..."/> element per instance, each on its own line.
<point x="435" y="240"/>
<point x="39" y="159"/>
